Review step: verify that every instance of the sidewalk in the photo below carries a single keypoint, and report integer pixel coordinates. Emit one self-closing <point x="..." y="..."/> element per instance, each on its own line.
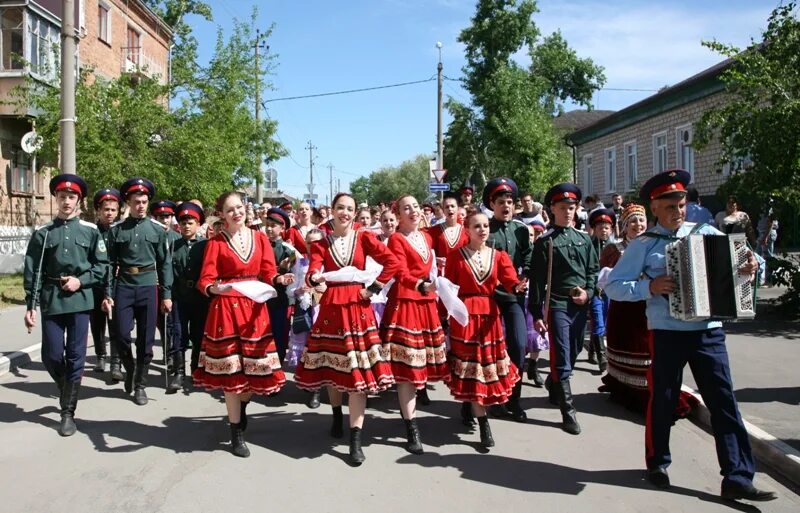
<point x="17" y="346"/>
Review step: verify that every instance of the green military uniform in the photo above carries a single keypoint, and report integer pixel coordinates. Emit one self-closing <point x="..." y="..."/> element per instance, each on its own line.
<point x="279" y="305"/>
<point x="190" y="306"/>
<point x="139" y="255"/>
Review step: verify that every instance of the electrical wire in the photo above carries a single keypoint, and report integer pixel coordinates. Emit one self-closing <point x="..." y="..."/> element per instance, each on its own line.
<point x="348" y="91"/>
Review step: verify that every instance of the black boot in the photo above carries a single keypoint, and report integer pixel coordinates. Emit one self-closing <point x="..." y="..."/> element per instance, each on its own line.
<point x="140" y="383"/>
<point x="514" y="408"/>
<point x="243" y="415"/>
<point x="531" y="365"/>
<point x="238" y="447"/>
<point x="422" y="396"/>
<point x="414" y="445"/>
<point x="487" y="440"/>
<point x="100" y="366"/>
<point x="69" y="401"/>
<point x="569" y="415"/>
<point x="313" y="399"/>
<point x="116" y="370"/>
<point x="129" y="365"/>
<point x="591" y="359"/>
<point x="552" y="396"/>
<point x="178" y="373"/>
<point x="600" y="349"/>
<point x="467" y="418"/>
<point x="356" y="454"/>
<point x="537" y="378"/>
<point x="337" y="425"/>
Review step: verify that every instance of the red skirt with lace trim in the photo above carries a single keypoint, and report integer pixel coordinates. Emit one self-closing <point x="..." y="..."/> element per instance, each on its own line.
<point x="414" y="342"/>
<point x="480" y="369"/>
<point x="238" y="351"/>
<point x="344" y="351"/>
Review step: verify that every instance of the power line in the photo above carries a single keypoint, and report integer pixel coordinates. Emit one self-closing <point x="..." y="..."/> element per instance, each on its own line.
<point x="348" y="91"/>
<point x="601" y="89"/>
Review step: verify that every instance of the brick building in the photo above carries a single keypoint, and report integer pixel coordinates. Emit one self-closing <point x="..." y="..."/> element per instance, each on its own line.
<point x="115" y="37"/>
<point x="623" y="149"/>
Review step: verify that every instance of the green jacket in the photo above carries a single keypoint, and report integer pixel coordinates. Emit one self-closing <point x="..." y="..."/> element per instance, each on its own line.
<point x="71" y="247"/>
<point x="514" y="238"/>
<point x="139" y="253"/>
<point x="282" y="250"/>
<point x="187" y="262"/>
<point x="575" y="264"/>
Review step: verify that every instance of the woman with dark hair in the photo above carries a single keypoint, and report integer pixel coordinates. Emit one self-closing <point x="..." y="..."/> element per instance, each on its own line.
<point x="733" y="220"/>
<point x="238" y="352"/>
<point x="296" y="234"/>
<point x="411" y="331"/>
<point x="344" y="352"/>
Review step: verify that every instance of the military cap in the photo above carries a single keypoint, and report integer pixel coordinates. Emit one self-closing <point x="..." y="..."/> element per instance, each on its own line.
<point x="497" y="186"/>
<point x="163" y="207"/>
<point x="278" y="215"/>
<point x="467" y="188"/>
<point x="602" y="215"/>
<point x="106" y="194"/>
<point x="71" y="183"/>
<point x="286" y="204"/>
<point x="568" y="192"/>
<point x="667" y="184"/>
<point x="189" y="209"/>
<point x="138" y="185"/>
<point x="538" y="225"/>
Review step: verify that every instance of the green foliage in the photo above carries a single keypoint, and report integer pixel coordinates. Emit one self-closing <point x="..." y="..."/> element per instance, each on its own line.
<point x="210" y="141"/>
<point x="508" y="130"/>
<point x="389" y="183"/>
<point x="785" y="272"/>
<point x="761" y="119"/>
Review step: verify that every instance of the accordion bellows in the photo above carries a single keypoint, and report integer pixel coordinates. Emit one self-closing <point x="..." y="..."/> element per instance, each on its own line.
<point x="706" y="271"/>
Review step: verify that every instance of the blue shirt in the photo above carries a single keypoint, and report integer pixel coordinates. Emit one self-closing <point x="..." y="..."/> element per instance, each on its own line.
<point x="644" y="260"/>
<point x="698" y="214"/>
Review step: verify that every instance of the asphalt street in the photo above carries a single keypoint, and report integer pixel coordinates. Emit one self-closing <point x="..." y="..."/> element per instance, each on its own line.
<point x="172" y="456"/>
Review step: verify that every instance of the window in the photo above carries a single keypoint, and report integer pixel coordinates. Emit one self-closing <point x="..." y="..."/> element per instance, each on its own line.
<point x="21" y="173"/>
<point x="134" y="46"/>
<point x="611" y="169"/>
<point x="631" y="165"/>
<point x="685" y="152"/>
<point x="587" y="174"/>
<point x="43" y="47"/>
<point x="11" y="39"/>
<point x="103" y="23"/>
<point x="659" y="153"/>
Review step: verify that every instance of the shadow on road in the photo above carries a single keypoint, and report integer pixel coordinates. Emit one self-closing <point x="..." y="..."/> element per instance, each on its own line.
<point x="786" y="395"/>
<point x="774" y="328"/>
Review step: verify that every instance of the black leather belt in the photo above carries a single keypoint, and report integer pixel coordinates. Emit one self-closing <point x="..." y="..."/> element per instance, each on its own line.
<point x="138" y="270"/>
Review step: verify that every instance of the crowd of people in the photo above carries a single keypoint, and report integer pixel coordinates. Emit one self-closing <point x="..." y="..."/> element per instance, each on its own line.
<point x="352" y="299"/>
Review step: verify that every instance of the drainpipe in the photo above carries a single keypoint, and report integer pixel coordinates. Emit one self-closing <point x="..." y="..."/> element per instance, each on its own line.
<point x="568" y="142"/>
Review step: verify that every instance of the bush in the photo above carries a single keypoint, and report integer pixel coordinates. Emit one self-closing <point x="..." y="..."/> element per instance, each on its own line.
<point x="785" y="272"/>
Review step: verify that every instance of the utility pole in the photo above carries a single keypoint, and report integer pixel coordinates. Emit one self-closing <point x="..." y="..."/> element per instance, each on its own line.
<point x="338" y="187"/>
<point x="259" y="44"/>
<point x="68" y="51"/>
<point x="439" y="140"/>
<point x="330" y="170"/>
<point x="310" y="147"/>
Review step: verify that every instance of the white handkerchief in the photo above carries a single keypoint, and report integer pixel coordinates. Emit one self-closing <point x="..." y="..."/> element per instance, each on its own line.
<point x="448" y="294"/>
<point x="350" y="273"/>
<point x="256" y="290"/>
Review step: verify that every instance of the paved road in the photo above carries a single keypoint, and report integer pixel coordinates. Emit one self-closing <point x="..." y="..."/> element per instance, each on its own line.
<point x="171" y="456"/>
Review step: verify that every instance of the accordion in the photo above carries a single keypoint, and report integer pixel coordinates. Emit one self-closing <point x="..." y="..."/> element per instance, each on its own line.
<point x="705" y="270"/>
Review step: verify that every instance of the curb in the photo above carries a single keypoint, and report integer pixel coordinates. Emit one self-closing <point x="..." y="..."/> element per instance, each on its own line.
<point x="767" y="449"/>
<point x="19" y="358"/>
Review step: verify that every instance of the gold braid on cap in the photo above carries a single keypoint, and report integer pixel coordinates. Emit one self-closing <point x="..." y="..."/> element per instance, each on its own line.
<point x="632" y="209"/>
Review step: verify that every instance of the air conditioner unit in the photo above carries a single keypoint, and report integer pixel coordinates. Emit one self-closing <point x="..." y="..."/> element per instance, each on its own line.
<point x="687" y="137"/>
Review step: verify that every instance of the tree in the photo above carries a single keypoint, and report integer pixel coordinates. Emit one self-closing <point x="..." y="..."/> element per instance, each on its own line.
<point x="507" y="129"/>
<point x="760" y="119"/>
<point x="389" y="183"/>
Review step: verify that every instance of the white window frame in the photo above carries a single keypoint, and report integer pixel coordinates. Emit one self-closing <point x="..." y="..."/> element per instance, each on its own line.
<point x="106" y="38"/>
<point x="630" y="179"/>
<point x="657" y="149"/>
<point x="680" y="146"/>
<point x="609" y="174"/>
<point x="138" y="60"/>
<point x="588" y="162"/>
<point x="42" y="38"/>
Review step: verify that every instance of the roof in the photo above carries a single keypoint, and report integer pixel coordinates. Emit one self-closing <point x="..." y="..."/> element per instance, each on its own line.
<point x="694" y="88"/>
<point x="579" y="118"/>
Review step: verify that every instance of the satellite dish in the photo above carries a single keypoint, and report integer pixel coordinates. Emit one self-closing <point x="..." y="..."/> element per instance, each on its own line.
<point x="31" y="142"/>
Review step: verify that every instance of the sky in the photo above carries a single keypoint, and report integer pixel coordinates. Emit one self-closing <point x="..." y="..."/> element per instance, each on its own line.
<point x="336" y="45"/>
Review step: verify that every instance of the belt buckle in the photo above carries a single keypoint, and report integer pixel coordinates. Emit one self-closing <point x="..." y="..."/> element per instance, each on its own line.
<point x="133" y="270"/>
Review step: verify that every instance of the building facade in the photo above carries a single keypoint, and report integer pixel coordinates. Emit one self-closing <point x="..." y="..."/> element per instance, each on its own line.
<point x="618" y="153"/>
<point x="115" y="37"/>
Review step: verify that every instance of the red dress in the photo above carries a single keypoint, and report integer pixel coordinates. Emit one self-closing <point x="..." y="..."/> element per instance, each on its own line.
<point x="442" y="243"/>
<point x="238" y="350"/>
<point x="411" y="330"/>
<point x="297" y="239"/>
<point x="480" y="368"/>
<point x="343" y="349"/>
<point x="628" y="348"/>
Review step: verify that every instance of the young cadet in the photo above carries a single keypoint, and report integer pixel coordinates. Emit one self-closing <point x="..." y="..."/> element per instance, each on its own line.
<point x="141" y="270"/>
<point x="276" y="223"/>
<point x="66" y="259"/>
<point x="107" y="204"/>
<point x="512" y="236"/>
<point x="641" y="275"/>
<point x="190" y="306"/>
<point x="568" y="280"/>
<point x="602" y="222"/>
<point x="164" y="212"/>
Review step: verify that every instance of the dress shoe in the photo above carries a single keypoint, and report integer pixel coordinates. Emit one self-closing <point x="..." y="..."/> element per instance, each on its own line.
<point x="748" y="493"/>
<point x="658" y="477"/>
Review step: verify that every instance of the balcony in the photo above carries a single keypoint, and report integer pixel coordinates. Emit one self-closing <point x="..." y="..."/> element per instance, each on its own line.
<point x="134" y="62"/>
